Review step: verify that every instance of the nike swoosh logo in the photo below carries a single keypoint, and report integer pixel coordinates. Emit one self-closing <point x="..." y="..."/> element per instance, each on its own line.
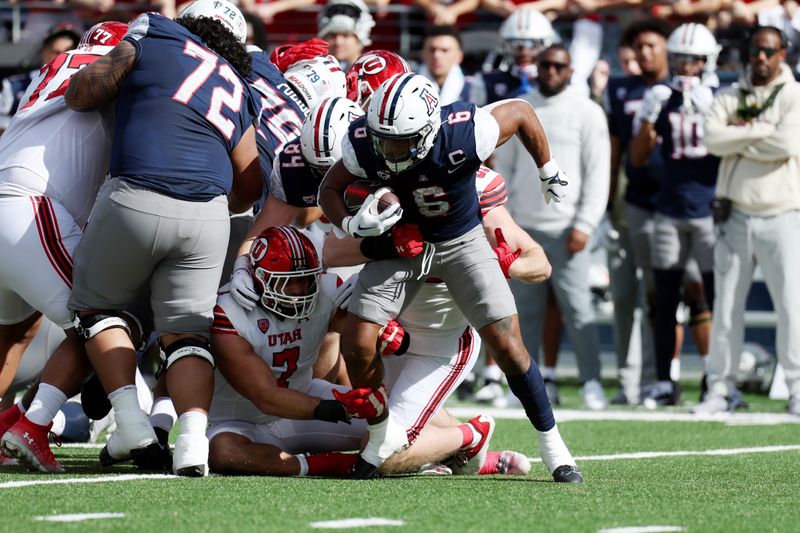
<point x="450" y="171"/>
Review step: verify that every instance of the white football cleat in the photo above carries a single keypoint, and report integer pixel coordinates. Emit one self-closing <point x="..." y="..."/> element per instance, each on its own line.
<point x="135" y="439"/>
<point x="593" y="396"/>
<point x="190" y="457"/>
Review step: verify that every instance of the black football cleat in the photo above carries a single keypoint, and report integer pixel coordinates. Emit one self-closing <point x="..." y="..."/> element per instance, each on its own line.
<point x="567" y="474"/>
<point x="166" y="451"/>
<point x="362" y="470"/>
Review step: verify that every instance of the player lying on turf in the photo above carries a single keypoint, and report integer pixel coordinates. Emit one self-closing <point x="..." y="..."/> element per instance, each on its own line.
<point x="267" y="407"/>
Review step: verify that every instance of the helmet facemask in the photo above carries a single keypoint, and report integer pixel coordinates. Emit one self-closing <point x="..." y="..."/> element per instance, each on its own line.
<point x="401" y="152"/>
<point x="286" y="270"/>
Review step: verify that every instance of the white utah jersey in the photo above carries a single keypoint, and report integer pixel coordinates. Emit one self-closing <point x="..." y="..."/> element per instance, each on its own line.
<point x="433" y="308"/>
<point x="61" y="153"/>
<point x="289" y="347"/>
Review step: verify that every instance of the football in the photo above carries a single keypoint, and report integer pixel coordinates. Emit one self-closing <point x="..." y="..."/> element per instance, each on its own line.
<point x="357" y="192"/>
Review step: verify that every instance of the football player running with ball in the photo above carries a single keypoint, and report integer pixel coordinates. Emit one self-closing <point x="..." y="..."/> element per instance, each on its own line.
<point x="429" y="156"/>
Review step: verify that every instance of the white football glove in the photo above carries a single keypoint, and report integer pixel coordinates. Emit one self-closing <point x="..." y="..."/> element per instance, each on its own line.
<point x="653" y="100"/>
<point x="344" y="292"/>
<point x="702" y="97"/>
<point x="368" y="222"/>
<point x="243" y="290"/>
<point x="554" y="182"/>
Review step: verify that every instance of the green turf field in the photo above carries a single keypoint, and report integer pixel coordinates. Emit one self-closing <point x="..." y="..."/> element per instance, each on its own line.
<point x="748" y="484"/>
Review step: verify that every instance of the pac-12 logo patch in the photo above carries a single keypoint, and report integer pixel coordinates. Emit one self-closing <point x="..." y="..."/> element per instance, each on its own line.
<point x="263" y="325"/>
<point x="430" y="100"/>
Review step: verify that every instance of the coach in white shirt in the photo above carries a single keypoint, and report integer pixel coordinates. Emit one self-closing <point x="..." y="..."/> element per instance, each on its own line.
<point x="578" y="133"/>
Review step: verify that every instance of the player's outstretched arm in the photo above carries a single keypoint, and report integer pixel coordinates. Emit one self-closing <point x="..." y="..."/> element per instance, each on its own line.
<point x="97" y="85"/>
<point x="518" y="117"/>
<point x="250" y="376"/>
<point x="532" y="265"/>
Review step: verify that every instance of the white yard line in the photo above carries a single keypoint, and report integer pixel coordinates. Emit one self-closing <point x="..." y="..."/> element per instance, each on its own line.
<point x="80" y="517"/>
<point x="71" y="480"/>
<point x="683" y="453"/>
<point x="571" y="415"/>
<point x="641" y="529"/>
<point x="349" y="523"/>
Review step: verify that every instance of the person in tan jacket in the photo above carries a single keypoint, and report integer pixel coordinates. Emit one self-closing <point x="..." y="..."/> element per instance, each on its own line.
<point x="755" y="129"/>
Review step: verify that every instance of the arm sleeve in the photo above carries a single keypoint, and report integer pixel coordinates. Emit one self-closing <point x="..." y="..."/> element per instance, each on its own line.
<point x="487" y="132"/>
<point x="276" y="182"/>
<point x="350" y="160"/>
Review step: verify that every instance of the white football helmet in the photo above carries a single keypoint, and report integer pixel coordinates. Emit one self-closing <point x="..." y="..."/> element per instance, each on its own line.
<point x="694" y="40"/>
<point x="403" y="119"/>
<point x="315" y="79"/>
<point x="221" y="10"/>
<point x="346" y="16"/>
<point x="323" y="130"/>
<point x="527" y="28"/>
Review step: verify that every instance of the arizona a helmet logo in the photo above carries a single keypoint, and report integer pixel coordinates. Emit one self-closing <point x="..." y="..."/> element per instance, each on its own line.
<point x="429" y="99"/>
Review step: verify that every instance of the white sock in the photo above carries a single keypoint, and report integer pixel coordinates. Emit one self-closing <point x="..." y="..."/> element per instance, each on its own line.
<point x="59" y="422"/>
<point x="675" y="369"/>
<point x="492" y="373"/>
<point x="45" y="405"/>
<point x="193" y="423"/>
<point x="163" y="414"/>
<point x="706" y="359"/>
<point x="301" y="458"/>
<point x="549" y="373"/>
<point x="125" y="399"/>
<point x="553" y="449"/>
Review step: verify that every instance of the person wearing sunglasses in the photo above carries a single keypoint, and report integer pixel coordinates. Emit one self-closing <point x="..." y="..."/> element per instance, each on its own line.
<point x="577" y="130"/>
<point x="754" y="128"/>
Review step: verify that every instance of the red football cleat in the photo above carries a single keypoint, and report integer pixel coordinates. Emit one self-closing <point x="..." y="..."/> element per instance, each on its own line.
<point x="471" y="459"/>
<point x="8" y="418"/>
<point x="27" y="442"/>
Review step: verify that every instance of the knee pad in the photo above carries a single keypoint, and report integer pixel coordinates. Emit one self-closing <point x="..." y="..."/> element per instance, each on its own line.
<point x="701" y="317"/>
<point x="185" y="348"/>
<point x="89" y="326"/>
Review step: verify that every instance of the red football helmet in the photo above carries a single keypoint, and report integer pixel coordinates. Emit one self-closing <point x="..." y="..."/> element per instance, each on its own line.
<point x="369" y="71"/>
<point x="279" y="256"/>
<point x="104" y="34"/>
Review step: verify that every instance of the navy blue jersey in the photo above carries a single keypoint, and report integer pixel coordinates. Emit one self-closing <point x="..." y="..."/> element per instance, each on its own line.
<point x="624" y="100"/>
<point x="292" y="180"/>
<point x="438" y="193"/>
<point x="690" y="172"/>
<point x="501" y="84"/>
<point x="180" y="112"/>
<point x="282" y="111"/>
<point x="12" y="91"/>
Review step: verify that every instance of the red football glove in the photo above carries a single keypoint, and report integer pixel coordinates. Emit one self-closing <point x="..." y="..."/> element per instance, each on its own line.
<point x="407" y="239"/>
<point x="393" y="339"/>
<point x="364" y="402"/>
<point x="287" y="55"/>
<point x="503" y="252"/>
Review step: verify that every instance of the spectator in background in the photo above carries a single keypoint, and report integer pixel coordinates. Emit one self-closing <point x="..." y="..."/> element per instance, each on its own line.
<point x="648" y="39"/>
<point x="345" y="25"/>
<point x="266" y="11"/>
<point x="755" y="130"/>
<point x="577" y="130"/>
<point x="442" y="56"/>
<point x="683" y="228"/>
<point x="525" y="33"/>
<point x="60" y="38"/>
<point x="445" y="13"/>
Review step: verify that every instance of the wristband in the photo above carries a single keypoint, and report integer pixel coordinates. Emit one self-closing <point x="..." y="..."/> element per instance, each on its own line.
<point x="331" y="411"/>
